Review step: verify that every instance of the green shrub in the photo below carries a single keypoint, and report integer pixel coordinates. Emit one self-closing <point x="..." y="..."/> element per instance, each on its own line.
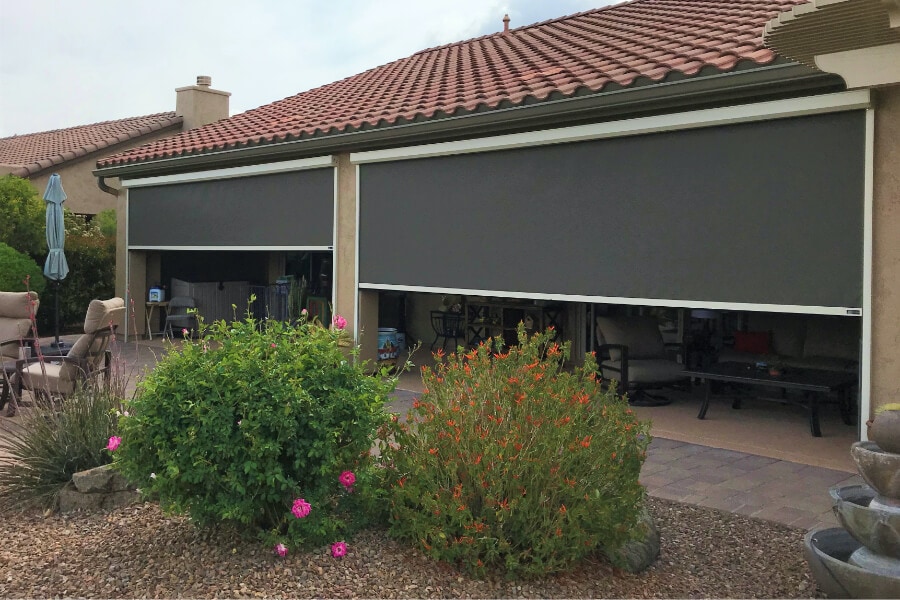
<point x="92" y="274"/>
<point x="22" y="216"/>
<point x="47" y="444"/>
<point x="509" y="462"/>
<point x="106" y="221"/>
<point x="239" y="425"/>
<point x="15" y="267"/>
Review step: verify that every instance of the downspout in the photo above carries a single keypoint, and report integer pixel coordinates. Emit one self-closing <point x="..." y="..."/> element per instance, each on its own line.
<point x="101" y="183"/>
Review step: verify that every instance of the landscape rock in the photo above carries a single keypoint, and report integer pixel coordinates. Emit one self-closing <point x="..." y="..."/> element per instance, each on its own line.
<point x="100" y="479"/>
<point x="638" y="555"/>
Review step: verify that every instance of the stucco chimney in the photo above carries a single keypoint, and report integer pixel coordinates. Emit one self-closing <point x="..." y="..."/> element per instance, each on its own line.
<point x="505" y="24"/>
<point x="200" y="104"/>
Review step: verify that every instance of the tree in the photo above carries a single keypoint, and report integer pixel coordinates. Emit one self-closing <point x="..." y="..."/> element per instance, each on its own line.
<point x="22" y="216"/>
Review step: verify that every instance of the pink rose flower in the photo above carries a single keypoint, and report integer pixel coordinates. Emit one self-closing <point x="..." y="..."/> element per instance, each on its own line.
<point x="347" y="479"/>
<point x="339" y="321"/>
<point x="338" y="549"/>
<point x="113" y="443"/>
<point x="281" y="550"/>
<point x="301" y="508"/>
<point x="184" y="331"/>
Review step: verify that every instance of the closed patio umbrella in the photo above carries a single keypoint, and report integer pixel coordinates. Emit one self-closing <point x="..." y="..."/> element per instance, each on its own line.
<point x="55" y="268"/>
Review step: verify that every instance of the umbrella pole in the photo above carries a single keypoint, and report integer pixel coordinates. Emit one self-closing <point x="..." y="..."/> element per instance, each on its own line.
<point x="57" y="314"/>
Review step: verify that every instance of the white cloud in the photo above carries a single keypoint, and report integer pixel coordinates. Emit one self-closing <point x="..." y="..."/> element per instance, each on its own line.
<point x="65" y="63"/>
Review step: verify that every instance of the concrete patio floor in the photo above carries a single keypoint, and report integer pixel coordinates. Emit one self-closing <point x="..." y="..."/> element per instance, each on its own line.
<point x="759" y="461"/>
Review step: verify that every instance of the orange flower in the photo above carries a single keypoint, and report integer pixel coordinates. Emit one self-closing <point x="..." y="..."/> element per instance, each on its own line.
<point x="432" y="451"/>
<point x="586" y="442"/>
<point x="562" y="509"/>
<point x="613" y="456"/>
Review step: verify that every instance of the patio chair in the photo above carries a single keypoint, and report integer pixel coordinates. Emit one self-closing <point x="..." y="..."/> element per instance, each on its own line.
<point x="180" y="315"/>
<point x="632" y="352"/>
<point x="88" y="358"/>
<point x="15" y="334"/>
<point x="447" y="325"/>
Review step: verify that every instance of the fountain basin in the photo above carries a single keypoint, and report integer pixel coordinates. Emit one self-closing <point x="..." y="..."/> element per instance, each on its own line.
<point x="880" y="469"/>
<point x="827" y="552"/>
<point x="874" y="525"/>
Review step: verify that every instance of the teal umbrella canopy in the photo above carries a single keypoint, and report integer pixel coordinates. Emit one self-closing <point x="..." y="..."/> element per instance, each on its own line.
<point x="56" y="267"/>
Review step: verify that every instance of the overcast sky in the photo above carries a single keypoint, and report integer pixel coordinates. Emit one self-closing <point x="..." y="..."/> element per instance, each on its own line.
<point x="73" y="62"/>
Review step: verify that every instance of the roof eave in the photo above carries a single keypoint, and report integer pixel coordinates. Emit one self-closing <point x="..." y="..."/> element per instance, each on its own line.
<point x="781" y="79"/>
<point x="98" y="147"/>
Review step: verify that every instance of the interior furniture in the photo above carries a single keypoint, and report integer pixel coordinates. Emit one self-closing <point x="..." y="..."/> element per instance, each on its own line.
<point x="16" y="310"/>
<point x="497" y="319"/>
<point x="151" y="309"/>
<point x="813" y="383"/>
<point x="826" y="342"/>
<point x="631" y="351"/>
<point x="317" y="307"/>
<point x="180" y="315"/>
<point x="88" y="358"/>
<point x="447" y="325"/>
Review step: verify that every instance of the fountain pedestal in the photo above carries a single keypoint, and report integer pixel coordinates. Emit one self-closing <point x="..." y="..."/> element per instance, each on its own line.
<point x="861" y="559"/>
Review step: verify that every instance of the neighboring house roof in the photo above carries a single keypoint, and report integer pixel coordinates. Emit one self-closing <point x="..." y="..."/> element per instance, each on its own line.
<point x="34" y="152"/>
<point x="615" y="47"/>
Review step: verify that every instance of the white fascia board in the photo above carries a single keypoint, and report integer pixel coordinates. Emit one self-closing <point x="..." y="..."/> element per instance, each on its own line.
<point x="741" y="306"/>
<point x="254" y="248"/>
<point x="317" y="162"/>
<point x="710" y="117"/>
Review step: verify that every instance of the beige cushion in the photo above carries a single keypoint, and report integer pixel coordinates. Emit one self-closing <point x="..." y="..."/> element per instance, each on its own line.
<point x="56" y="382"/>
<point x="655" y="370"/>
<point x="12" y="330"/>
<point x="15" y="304"/>
<point x="98" y="314"/>
<point x="15" y="319"/>
<point x="641" y="335"/>
<point x="833" y="337"/>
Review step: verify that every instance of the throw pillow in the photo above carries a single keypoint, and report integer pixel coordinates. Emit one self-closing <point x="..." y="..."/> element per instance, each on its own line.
<point x="754" y="342"/>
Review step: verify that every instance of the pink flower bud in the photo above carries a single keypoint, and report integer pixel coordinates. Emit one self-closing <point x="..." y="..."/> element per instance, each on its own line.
<point x="281" y="550"/>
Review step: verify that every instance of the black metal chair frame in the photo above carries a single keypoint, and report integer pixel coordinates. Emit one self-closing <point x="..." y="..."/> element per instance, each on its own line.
<point x="449" y="326"/>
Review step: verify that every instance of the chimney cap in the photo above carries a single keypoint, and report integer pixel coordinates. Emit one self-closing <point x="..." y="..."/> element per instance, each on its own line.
<point x="204" y="80"/>
<point x="505" y="24"/>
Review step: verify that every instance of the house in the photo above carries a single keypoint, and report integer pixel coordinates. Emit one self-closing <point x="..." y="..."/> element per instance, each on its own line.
<point x="72" y="152"/>
<point x="654" y="154"/>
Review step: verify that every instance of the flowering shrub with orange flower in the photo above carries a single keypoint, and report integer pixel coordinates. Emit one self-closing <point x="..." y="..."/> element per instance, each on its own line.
<point x="262" y="424"/>
<point x="510" y="461"/>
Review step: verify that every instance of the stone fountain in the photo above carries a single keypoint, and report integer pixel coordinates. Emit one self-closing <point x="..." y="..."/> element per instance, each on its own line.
<point x="861" y="559"/>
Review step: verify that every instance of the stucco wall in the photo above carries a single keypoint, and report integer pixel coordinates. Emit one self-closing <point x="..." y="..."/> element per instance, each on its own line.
<point x="886" y="249"/>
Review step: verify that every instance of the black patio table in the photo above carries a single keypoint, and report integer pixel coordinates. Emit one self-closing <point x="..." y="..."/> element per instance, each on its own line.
<point x="812" y="382"/>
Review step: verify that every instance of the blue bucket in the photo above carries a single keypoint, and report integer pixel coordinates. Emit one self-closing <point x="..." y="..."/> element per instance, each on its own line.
<point x="387" y="343"/>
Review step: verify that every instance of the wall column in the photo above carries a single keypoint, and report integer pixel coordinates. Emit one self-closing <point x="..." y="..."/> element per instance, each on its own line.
<point x="886" y="250"/>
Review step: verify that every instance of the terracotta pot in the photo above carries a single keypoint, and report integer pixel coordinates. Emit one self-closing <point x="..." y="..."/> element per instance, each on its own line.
<point x="885" y="431"/>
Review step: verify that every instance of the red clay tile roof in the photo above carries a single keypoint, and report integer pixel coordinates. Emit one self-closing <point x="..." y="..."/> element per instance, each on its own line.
<point x="33" y="152"/>
<point x="589" y="52"/>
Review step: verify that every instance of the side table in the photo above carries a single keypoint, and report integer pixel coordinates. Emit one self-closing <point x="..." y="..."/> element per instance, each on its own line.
<point x="151" y="308"/>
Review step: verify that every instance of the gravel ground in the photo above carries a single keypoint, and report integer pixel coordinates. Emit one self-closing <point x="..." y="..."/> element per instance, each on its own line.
<point x="139" y="552"/>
